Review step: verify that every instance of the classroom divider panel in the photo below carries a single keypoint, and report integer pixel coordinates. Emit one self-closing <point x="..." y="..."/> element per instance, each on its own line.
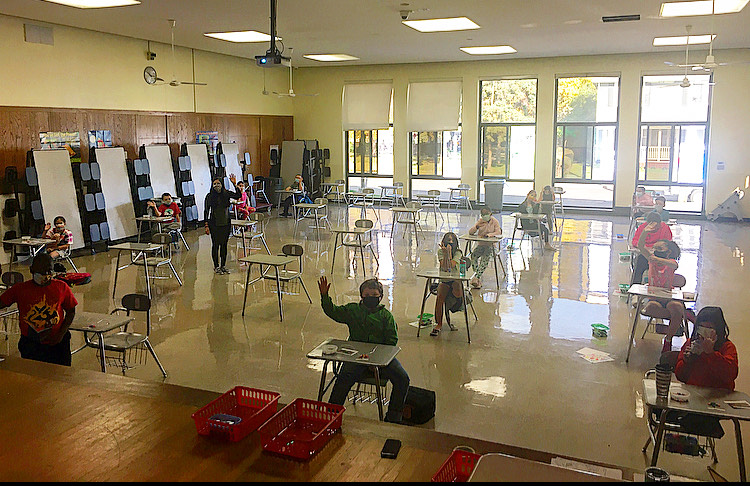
<point x="87" y="179"/>
<point x="162" y="174"/>
<point x="201" y="174"/>
<point x="231" y="153"/>
<point x="183" y="168"/>
<point x="119" y="207"/>
<point x="57" y="190"/>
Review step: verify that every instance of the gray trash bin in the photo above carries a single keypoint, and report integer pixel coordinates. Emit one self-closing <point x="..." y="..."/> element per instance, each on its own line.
<point x="493" y="193"/>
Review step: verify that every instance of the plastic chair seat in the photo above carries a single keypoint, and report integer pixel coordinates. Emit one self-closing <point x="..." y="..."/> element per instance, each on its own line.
<point x="122" y="341"/>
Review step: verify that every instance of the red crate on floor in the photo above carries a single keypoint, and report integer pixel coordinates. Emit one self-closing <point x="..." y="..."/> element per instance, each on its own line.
<point x="252" y="405"/>
<point x="457" y="468"/>
<point x="302" y="428"/>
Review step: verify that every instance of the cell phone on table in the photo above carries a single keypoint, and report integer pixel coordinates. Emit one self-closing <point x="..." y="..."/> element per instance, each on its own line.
<point x="390" y="448"/>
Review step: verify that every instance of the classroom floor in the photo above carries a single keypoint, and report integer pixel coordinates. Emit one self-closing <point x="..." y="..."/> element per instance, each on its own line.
<point x="519" y="382"/>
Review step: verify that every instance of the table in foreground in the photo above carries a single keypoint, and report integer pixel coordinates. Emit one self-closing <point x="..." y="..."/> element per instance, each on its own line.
<point x="378" y="356"/>
<point x="643" y="291"/>
<point x="98" y="324"/>
<point x="492" y="466"/>
<point x="697" y="403"/>
<point x="143" y="432"/>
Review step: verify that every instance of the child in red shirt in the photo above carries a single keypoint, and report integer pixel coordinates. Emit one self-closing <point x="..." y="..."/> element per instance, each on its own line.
<point x="243" y="207"/>
<point x="657" y="230"/>
<point x="168" y="208"/>
<point x="46" y="308"/>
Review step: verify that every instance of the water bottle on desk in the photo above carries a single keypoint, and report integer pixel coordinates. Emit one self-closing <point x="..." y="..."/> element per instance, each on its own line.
<point x="462" y="268"/>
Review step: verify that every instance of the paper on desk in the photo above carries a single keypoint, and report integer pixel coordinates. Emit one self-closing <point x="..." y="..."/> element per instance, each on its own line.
<point x="588" y="468"/>
<point x="738" y="403"/>
<point x="594" y="356"/>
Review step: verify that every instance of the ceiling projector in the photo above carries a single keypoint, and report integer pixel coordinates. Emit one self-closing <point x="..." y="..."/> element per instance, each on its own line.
<point x="272" y="59"/>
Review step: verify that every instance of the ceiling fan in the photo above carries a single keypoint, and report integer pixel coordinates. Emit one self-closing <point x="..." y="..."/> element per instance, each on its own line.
<point x="149" y="74"/>
<point x="291" y="92"/>
<point x="685" y="82"/>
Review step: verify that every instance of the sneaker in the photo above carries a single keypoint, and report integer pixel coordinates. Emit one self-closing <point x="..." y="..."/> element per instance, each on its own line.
<point x="475" y="283"/>
<point x="217" y="270"/>
<point x="225" y="271"/>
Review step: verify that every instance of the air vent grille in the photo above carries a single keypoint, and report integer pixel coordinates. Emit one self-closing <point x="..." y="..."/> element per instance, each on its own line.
<point x="621" y="18"/>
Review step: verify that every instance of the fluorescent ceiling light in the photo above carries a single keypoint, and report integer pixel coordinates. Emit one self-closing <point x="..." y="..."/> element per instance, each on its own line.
<point x="95" y="3"/>
<point x="682" y="39"/>
<point x="701" y="7"/>
<point x="331" y="57"/>
<point x="441" y="25"/>
<point x="485" y="50"/>
<point x="241" y="36"/>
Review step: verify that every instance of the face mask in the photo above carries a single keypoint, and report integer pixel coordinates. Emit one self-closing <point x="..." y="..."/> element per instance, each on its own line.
<point x="40" y="279"/>
<point x="371" y="302"/>
<point x="217" y="188"/>
<point x="486" y="217"/>
<point x="167" y="202"/>
<point x="661" y="254"/>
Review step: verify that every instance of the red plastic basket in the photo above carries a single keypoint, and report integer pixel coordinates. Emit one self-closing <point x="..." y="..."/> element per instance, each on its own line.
<point x="302" y="428"/>
<point x="457" y="468"/>
<point x="252" y="405"/>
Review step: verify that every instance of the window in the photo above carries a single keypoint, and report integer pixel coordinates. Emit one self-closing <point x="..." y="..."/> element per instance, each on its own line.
<point x="369" y="155"/>
<point x="435" y="155"/>
<point x="674" y="139"/>
<point x="586" y="139"/>
<point x="507" y="127"/>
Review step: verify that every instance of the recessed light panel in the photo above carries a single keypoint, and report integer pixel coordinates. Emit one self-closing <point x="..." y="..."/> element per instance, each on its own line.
<point x="331" y="57"/>
<point x="487" y="50"/>
<point x="241" y="36"/>
<point x="95" y="3"/>
<point x="441" y="25"/>
<point x="682" y="39"/>
<point x="701" y="7"/>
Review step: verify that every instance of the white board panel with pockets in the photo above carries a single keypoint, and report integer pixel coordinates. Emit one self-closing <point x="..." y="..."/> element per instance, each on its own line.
<point x="232" y="153"/>
<point x="58" y="191"/>
<point x="117" y="194"/>
<point x="200" y="173"/>
<point x="162" y="174"/>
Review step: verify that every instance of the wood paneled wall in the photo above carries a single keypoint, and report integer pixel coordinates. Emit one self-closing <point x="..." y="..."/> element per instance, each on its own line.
<point x="20" y="127"/>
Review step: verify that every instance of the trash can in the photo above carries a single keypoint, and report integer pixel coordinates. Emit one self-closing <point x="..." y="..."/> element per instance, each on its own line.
<point x="493" y="193"/>
<point x="273" y="185"/>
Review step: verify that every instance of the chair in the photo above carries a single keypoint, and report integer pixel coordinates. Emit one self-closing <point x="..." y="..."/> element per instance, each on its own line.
<point x="355" y="242"/>
<point x="675" y="424"/>
<point x="461" y="197"/>
<point x="432" y="202"/>
<point x="414" y="221"/>
<point x="131" y="346"/>
<point x="322" y="216"/>
<point x="528" y="228"/>
<point x="259" y="231"/>
<point x="365" y="391"/>
<point x="174" y="233"/>
<point x="467" y="292"/>
<point x="367" y="201"/>
<point x="286" y="275"/>
<point x="559" y="191"/>
<point x="679" y="282"/>
<point x="165" y="258"/>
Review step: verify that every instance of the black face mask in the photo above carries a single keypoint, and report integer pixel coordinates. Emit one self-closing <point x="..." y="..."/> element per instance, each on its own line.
<point x="662" y="254"/>
<point x="371" y="302"/>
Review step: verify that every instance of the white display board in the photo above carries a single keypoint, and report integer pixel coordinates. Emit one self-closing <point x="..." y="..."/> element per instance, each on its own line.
<point x="292" y="153"/>
<point x="117" y="194"/>
<point x="58" y="191"/>
<point x="232" y="152"/>
<point x="200" y="173"/>
<point x="162" y="174"/>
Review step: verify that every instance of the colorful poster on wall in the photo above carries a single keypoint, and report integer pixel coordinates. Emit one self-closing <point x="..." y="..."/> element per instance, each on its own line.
<point x="209" y="138"/>
<point x="71" y="141"/>
<point x="100" y="139"/>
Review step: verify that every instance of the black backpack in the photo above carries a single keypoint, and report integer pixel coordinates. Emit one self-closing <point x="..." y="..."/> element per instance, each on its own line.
<point x="419" y="407"/>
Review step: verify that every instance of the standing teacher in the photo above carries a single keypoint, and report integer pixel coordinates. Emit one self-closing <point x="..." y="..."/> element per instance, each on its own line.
<point x="218" y="222"/>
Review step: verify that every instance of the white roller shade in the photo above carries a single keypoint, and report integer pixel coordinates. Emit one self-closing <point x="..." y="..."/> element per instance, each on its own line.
<point x="366" y="106"/>
<point x="433" y="106"/>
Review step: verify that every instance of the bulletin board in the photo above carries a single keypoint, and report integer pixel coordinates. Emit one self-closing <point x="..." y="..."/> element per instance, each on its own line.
<point x="117" y="193"/>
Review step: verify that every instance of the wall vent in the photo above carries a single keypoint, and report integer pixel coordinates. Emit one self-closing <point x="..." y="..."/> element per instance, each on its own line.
<point x="37" y="34"/>
<point x="621" y="18"/>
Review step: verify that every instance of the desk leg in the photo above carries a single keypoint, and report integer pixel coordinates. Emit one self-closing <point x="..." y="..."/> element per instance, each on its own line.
<point x="278" y="291"/>
<point x="659" y="437"/>
<point x="362" y="254"/>
<point x="263" y="239"/>
<point x="117" y="270"/>
<point x="321" y="388"/>
<point x="494" y="261"/>
<point x="247" y="284"/>
<point x="499" y="256"/>
<point x="466" y="313"/>
<point x="424" y="299"/>
<point x="539" y="226"/>
<point x="140" y="228"/>
<point x="335" y="246"/>
<point x="12" y="257"/>
<point x="740" y="450"/>
<point x="101" y="352"/>
<point x="317" y="224"/>
<point x="244" y="242"/>
<point x="377" y="393"/>
<point x="145" y="269"/>
<point x="635" y="321"/>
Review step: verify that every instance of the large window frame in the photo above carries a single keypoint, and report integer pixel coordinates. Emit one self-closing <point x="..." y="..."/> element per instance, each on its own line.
<point x="674" y="143"/>
<point x="369" y="165"/>
<point x="561" y="129"/>
<point x="508" y="127"/>
<point x="438" y="151"/>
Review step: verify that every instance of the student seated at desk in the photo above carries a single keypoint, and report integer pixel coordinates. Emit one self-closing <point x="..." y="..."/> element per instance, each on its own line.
<point x="368" y="321"/>
<point x="168" y="209"/>
<point x="641" y="198"/>
<point x="242" y="205"/>
<point x="657" y="230"/>
<point x="46" y="308"/>
<point x="297" y="185"/>
<point x="487" y="226"/>
<point x="530" y="205"/>
<point x="449" y="257"/>
<point x="659" y="202"/>
<point x="63" y="238"/>
<point x="662" y="262"/>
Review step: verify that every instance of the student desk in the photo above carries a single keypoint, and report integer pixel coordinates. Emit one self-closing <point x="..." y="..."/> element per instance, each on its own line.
<point x="645" y="291"/>
<point x="436" y="274"/>
<point x="393" y="193"/>
<point x="491" y="467"/>
<point x="274" y="261"/>
<point x="532" y="216"/>
<point x="495" y="254"/>
<point x="243" y="225"/>
<point x="697" y="403"/>
<point x="332" y="188"/>
<point x="462" y="194"/>
<point x="158" y="220"/>
<point x="302" y="211"/>
<point x="283" y="194"/>
<point x="98" y="324"/>
<point x="358" y="232"/>
<point x="431" y="201"/>
<point x="35" y="246"/>
<point x="141" y="250"/>
<point x="378" y="356"/>
<point x="407" y="216"/>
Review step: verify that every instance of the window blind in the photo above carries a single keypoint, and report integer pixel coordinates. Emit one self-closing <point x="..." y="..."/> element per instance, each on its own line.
<point x="366" y="106"/>
<point x="433" y="106"/>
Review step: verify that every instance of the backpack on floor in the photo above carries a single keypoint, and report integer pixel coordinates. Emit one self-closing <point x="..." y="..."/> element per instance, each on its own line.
<point x="74" y="278"/>
<point x="419" y="407"/>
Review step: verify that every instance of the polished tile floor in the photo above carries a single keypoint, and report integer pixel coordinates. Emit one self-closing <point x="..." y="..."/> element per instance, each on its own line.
<point x="519" y="382"/>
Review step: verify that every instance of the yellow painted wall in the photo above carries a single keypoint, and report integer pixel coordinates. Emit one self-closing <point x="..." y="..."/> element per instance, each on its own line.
<point x="320" y="117"/>
<point x="86" y="69"/>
